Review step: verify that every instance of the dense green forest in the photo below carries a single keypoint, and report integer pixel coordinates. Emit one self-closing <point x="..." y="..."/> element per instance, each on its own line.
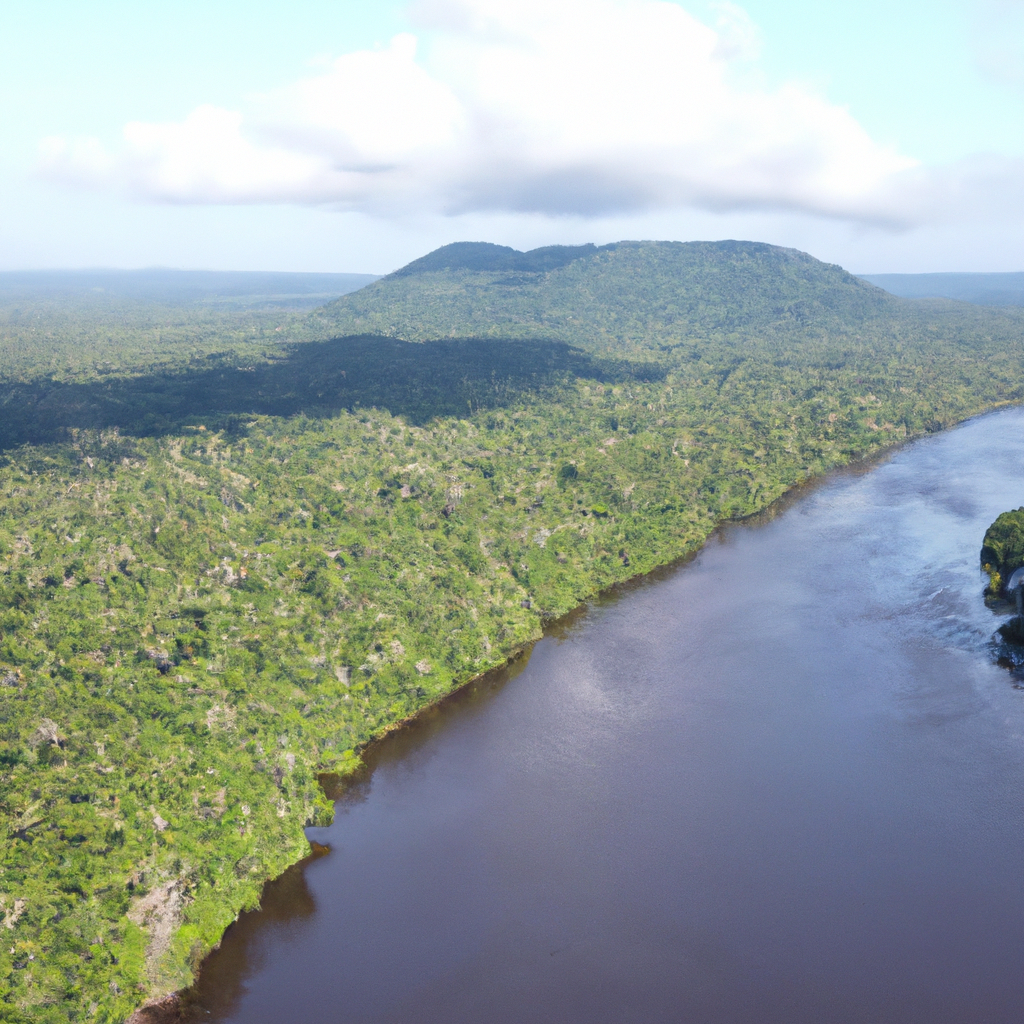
<point x="237" y="544"/>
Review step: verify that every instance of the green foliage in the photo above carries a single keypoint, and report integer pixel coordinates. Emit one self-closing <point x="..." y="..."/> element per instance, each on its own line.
<point x="318" y="379"/>
<point x="702" y="301"/>
<point x="488" y="257"/>
<point x="995" y="580"/>
<point x="1002" y="550"/>
<point x="230" y="555"/>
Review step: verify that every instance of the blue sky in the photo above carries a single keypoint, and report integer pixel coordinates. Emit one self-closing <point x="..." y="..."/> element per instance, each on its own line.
<point x="883" y="136"/>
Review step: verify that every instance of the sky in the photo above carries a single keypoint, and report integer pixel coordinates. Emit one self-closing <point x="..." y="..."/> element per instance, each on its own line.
<point x="354" y="136"/>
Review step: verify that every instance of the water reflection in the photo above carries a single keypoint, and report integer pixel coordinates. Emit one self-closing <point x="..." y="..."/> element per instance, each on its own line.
<point x="286" y="903"/>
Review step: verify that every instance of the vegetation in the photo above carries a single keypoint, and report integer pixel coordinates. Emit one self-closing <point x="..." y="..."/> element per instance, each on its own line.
<point x="236" y="545"/>
<point x="679" y="301"/>
<point x="1002" y="551"/>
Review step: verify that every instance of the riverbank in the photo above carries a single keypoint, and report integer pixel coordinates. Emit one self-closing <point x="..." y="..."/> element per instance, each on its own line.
<point x="673" y="801"/>
<point x="334" y="786"/>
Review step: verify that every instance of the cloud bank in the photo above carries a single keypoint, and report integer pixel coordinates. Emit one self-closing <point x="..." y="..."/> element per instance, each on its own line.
<point x="553" y="107"/>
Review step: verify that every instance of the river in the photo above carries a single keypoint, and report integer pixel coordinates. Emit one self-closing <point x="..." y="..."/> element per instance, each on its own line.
<point x="782" y="783"/>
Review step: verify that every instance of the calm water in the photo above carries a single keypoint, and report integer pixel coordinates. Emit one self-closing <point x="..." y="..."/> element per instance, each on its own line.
<point x="783" y="783"/>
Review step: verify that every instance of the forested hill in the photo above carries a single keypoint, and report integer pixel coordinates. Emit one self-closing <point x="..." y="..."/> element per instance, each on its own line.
<point x="639" y="296"/>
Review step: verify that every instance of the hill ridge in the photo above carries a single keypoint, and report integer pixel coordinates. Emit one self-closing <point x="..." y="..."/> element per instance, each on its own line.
<point x="627" y="295"/>
<point x="488" y="256"/>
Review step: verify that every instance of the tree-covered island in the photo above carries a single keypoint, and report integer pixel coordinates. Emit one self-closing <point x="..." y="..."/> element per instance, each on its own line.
<point x="1002" y="555"/>
<point x="236" y="545"/>
<point x="1002" y="550"/>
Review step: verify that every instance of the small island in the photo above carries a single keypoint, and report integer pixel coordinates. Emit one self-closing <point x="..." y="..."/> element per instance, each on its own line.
<point x="1002" y="557"/>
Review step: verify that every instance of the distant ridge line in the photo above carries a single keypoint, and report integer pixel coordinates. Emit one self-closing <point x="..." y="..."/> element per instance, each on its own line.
<point x="488" y="256"/>
<point x="980" y="288"/>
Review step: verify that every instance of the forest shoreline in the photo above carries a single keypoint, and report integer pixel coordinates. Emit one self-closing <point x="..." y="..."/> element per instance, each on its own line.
<point x="167" y="1009"/>
<point x="229" y="563"/>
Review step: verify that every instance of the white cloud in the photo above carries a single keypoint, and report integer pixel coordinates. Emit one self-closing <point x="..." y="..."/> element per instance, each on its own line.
<point x="738" y="36"/>
<point x="578" y="107"/>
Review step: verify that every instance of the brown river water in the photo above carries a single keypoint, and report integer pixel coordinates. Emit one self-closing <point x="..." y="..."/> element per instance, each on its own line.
<point x="782" y="783"/>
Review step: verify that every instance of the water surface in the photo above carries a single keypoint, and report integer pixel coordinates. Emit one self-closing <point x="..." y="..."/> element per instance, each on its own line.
<point x="780" y="784"/>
